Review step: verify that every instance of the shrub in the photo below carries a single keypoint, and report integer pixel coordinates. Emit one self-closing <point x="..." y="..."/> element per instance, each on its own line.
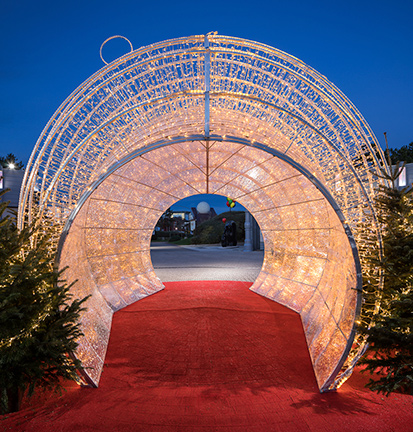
<point x="210" y="232"/>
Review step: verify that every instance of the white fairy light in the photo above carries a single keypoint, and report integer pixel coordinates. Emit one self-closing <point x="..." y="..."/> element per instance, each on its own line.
<point x="207" y="114"/>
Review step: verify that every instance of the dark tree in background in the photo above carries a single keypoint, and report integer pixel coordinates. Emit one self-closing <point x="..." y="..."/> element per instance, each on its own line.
<point x="166" y="220"/>
<point x="390" y="337"/>
<point x="39" y="320"/>
<point x="11" y="159"/>
<point x="403" y="154"/>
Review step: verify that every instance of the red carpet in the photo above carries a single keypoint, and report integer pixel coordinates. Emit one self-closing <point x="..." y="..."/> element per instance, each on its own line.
<point x="211" y="356"/>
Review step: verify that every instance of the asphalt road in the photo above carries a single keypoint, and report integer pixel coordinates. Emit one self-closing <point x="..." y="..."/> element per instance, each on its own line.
<point x="205" y="262"/>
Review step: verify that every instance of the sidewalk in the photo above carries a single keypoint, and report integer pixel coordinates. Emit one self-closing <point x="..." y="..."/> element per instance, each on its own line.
<point x="205" y="262"/>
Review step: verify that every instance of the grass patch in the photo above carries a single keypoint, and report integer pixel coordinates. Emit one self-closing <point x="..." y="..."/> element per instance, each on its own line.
<point x="184" y="242"/>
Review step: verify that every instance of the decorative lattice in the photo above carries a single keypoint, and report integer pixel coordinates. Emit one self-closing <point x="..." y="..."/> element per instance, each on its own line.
<point x="211" y="114"/>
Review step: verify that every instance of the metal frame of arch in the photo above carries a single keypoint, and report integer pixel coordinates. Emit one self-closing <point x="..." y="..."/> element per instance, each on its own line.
<point x="233" y="101"/>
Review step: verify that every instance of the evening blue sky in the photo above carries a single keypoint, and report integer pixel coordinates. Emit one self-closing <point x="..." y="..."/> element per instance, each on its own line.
<point x="47" y="49"/>
<point x="218" y="202"/>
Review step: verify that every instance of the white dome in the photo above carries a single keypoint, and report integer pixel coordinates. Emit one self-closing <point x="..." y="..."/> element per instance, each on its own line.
<point x="203" y="207"/>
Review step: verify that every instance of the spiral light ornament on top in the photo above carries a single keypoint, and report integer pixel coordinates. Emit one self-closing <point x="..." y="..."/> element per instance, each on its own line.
<point x="211" y="114"/>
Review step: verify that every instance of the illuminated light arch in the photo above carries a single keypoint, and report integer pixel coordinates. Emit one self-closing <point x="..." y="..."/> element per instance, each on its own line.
<point x="210" y="114"/>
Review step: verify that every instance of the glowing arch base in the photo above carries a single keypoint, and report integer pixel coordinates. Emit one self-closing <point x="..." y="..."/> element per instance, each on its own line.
<point x="210" y="114"/>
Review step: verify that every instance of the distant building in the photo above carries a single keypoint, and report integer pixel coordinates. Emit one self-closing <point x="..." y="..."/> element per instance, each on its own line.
<point x="406" y="176"/>
<point x="202" y="217"/>
<point x="11" y="179"/>
<point x="183" y="221"/>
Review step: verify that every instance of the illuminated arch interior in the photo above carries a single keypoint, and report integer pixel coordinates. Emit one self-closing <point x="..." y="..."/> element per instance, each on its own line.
<point x="210" y="114"/>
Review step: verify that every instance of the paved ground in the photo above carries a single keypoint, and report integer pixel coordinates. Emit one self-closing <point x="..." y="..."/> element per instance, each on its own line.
<point x="205" y="262"/>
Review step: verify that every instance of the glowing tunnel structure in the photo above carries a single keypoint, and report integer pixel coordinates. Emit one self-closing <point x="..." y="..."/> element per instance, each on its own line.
<point x="221" y="115"/>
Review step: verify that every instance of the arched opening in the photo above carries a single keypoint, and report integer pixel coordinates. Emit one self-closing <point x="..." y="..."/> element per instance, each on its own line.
<point x="194" y="240"/>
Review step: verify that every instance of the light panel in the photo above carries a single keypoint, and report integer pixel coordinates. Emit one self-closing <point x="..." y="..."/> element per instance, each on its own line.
<point x="211" y="114"/>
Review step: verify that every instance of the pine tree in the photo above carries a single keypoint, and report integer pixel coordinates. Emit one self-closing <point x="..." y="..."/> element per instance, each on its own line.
<point x="390" y="335"/>
<point x="403" y="154"/>
<point x="39" y="319"/>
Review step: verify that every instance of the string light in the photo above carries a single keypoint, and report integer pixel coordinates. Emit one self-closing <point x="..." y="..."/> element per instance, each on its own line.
<point x="258" y="98"/>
